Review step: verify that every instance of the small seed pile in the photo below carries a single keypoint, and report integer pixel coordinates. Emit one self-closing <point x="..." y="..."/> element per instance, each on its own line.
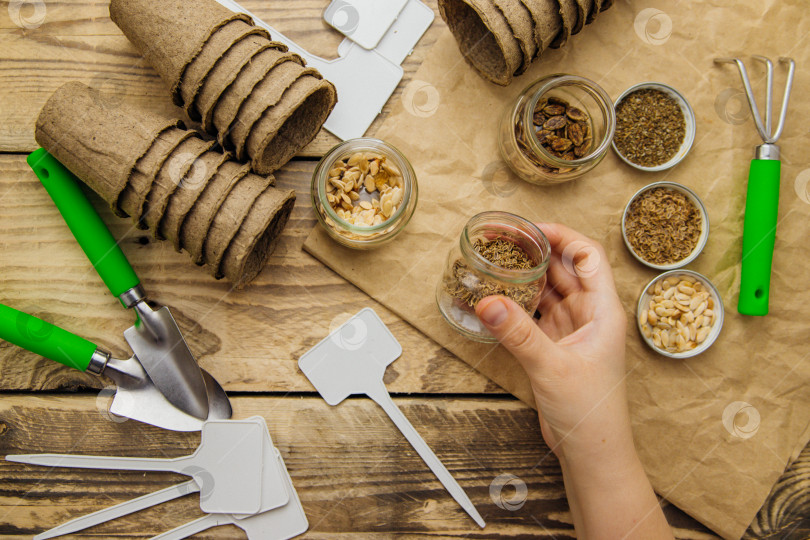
<point x="650" y="127"/>
<point x="468" y="285"/>
<point x="364" y="189"/>
<point x="663" y="226"/>
<point x="680" y="315"/>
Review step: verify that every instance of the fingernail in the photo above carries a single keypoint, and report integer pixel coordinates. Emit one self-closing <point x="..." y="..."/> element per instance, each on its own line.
<point x="494" y="313"/>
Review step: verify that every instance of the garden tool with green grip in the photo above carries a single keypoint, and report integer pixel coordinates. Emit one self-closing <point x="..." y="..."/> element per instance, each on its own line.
<point x="161" y="384"/>
<point x="762" y="199"/>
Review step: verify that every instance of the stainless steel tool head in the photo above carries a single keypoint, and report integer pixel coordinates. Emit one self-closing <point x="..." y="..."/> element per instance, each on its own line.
<point x="137" y="398"/>
<point x="765" y="128"/>
<point x="157" y="342"/>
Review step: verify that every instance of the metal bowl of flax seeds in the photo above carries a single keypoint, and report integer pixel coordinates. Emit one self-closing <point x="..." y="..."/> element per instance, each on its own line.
<point x="655" y="127"/>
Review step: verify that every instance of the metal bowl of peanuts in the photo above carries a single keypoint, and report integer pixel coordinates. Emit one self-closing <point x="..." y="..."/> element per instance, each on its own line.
<point x="680" y="314"/>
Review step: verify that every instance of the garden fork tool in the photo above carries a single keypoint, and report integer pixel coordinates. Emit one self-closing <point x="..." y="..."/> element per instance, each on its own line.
<point x="161" y="384"/>
<point x="762" y="199"/>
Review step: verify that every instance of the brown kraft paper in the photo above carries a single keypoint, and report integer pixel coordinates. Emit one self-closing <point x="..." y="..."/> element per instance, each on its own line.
<point x="700" y="452"/>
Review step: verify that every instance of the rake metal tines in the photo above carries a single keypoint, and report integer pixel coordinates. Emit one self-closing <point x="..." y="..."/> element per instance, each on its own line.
<point x="765" y="131"/>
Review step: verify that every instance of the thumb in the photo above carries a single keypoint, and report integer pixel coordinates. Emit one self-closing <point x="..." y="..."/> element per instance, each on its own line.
<point x="516" y="331"/>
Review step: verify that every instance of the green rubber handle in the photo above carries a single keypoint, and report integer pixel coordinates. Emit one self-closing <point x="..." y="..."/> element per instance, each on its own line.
<point x="759" y="235"/>
<point x="87" y="227"/>
<point x="45" y="339"/>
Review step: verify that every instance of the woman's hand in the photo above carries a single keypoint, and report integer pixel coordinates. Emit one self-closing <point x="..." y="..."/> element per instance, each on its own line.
<point x="574" y="358"/>
<point x="574" y="355"/>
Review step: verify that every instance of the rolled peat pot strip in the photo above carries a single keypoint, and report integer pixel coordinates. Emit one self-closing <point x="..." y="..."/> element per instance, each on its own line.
<point x="229" y="75"/>
<point x="168" y="179"/>
<point x="500" y="38"/>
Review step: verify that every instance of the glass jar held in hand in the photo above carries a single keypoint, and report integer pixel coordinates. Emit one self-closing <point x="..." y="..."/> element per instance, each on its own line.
<point x="498" y="254"/>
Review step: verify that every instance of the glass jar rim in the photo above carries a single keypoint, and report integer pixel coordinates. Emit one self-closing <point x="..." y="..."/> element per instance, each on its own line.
<point x="520" y="224"/>
<point x="596" y="91"/>
<point x="364" y="144"/>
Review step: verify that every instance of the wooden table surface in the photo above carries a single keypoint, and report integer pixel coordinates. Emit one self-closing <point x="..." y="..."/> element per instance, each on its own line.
<point x="356" y="475"/>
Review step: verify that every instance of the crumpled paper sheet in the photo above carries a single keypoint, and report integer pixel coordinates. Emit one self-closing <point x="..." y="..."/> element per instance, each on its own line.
<point x="716" y="431"/>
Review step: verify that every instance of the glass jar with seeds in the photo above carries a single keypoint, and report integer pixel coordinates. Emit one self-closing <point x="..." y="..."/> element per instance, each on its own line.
<point x="655" y="127"/>
<point x="364" y="192"/>
<point x="558" y="128"/>
<point x="497" y="253"/>
<point x="665" y="225"/>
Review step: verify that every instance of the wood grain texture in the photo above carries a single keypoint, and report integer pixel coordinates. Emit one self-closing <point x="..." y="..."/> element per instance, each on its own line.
<point x="248" y="340"/>
<point x="76" y="40"/>
<point x="385" y="491"/>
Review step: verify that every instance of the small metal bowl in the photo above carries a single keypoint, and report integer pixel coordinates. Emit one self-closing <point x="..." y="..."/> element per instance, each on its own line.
<point x="648" y="293"/>
<point x="688" y="117"/>
<point x="704" y="232"/>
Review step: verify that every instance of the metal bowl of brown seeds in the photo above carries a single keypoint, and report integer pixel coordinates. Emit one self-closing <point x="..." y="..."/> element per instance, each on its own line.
<point x="655" y="127"/>
<point x="679" y="314"/>
<point x="665" y="225"/>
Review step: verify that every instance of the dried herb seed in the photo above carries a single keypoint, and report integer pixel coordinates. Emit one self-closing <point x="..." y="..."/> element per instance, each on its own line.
<point x="468" y="286"/>
<point x="650" y="127"/>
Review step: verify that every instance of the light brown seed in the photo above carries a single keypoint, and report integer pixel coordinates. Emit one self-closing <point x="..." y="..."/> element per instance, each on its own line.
<point x="391" y="169"/>
<point x="369" y="184"/>
<point x="686" y="289"/>
<point x="396" y="196"/>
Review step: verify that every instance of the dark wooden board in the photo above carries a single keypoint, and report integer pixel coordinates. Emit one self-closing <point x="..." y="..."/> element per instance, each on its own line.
<point x="355" y="473"/>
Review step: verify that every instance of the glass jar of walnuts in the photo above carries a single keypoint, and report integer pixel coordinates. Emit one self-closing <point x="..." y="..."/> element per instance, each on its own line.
<point x="557" y="129"/>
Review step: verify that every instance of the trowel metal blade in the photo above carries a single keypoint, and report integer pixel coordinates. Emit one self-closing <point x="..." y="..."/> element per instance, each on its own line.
<point x="138" y="398"/>
<point x="158" y="344"/>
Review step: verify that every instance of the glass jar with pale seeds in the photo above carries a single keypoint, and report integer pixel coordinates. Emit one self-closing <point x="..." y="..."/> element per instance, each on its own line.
<point x="557" y="129"/>
<point x="364" y="192"/>
<point x="498" y="253"/>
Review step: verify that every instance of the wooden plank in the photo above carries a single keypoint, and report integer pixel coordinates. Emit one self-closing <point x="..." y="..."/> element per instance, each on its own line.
<point x="249" y="340"/>
<point x="76" y="40"/>
<point x="356" y="475"/>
